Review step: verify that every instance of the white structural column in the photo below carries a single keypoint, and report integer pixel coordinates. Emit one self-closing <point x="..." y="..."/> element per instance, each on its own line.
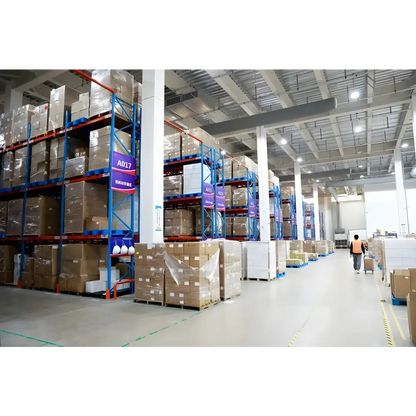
<point x="151" y="157"/>
<point x="263" y="184"/>
<point x="401" y="193"/>
<point x="316" y="210"/>
<point x="299" y="201"/>
<point x="414" y="117"/>
<point x="13" y="100"/>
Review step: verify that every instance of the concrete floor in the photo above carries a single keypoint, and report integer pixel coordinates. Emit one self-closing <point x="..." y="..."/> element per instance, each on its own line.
<point x="322" y="305"/>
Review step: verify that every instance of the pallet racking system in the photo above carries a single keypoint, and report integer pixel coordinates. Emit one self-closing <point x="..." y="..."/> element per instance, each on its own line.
<point x="322" y="225"/>
<point x="292" y="219"/>
<point x="309" y="216"/>
<point x="276" y="215"/>
<point x="56" y="187"/>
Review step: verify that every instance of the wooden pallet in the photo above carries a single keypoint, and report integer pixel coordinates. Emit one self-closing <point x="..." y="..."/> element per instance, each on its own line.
<point x="149" y="302"/>
<point x="198" y="308"/>
<point x="230" y="297"/>
<point x="254" y="279"/>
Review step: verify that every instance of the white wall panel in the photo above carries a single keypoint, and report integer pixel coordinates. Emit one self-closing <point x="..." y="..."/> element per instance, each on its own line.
<point x="352" y="215"/>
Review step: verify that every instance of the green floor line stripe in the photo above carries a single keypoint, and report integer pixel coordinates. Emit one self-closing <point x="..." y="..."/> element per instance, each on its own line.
<point x="169" y="326"/>
<point x="125" y="345"/>
<point x="32" y="338"/>
<point x="43" y="345"/>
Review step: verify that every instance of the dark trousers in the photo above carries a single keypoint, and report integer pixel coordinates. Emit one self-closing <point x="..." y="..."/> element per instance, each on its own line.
<point x="357" y="261"/>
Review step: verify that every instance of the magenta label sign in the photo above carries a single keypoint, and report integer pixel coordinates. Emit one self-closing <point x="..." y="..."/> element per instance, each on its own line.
<point x="251" y="207"/>
<point x="220" y="199"/>
<point x="124" y="164"/>
<point x="208" y="196"/>
<point x="122" y="182"/>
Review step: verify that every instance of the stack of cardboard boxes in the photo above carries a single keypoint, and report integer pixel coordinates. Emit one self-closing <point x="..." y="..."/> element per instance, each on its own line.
<point x="280" y="257"/>
<point x="241" y="226"/>
<point x="241" y="164"/>
<point x="81" y="108"/>
<point x="192" y="177"/>
<point x="80" y="264"/>
<point x="83" y="200"/>
<point x="149" y="273"/>
<point x="46" y="266"/>
<point x="288" y="192"/>
<point x="229" y="226"/>
<point x="302" y="257"/>
<point x="21" y="120"/>
<point x="261" y="260"/>
<point x="7" y="254"/>
<point x="190" y="146"/>
<point x="3" y="217"/>
<point x="240" y="197"/>
<point x="61" y="100"/>
<point x="39" y="164"/>
<point x="39" y="120"/>
<point x="42" y="216"/>
<point x="7" y="172"/>
<point x="230" y="268"/>
<point x="296" y="246"/>
<point x="100" y="99"/>
<point x="179" y="222"/>
<point x="14" y="217"/>
<point x="172" y="146"/>
<point x="321" y="247"/>
<point x="192" y="274"/>
<point x="6" y="124"/>
<point x="172" y="185"/>
<point x="19" y="166"/>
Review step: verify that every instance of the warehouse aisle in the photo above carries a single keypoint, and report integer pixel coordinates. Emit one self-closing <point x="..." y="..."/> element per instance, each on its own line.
<point x="324" y="304"/>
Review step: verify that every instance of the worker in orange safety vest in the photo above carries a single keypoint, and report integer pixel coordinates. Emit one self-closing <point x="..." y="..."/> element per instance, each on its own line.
<point x="357" y="250"/>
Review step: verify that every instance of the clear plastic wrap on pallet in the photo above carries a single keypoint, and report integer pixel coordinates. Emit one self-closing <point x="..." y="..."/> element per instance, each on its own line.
<point x="77" y="166"/>
<point x="42" y="216"/>
<point x="271" y="177"/>
<point x="80" y="264"/>
<point x="244" y="259"/>
<point x="137" y="158"/>
<point x="240" y="197"/>
<point x="61" y="100"/>
<point x="21" y="121"/>
<point x="240" y="226"/>
<point x="39" y="161"/>
<point x="46" y="266"/>
<point x="6" y="125"/>
<point x="137" y="94"/>
<point x="81" y="108"/>
<point x="280" y="257"/>
<point x="190" y="146"/>
<point x="14" y="217"/>
<point x="172" y="145"/>
<point x="7" y="171"/>
<point x="229" y="226"/>
<point x="82" y="200"/>
<point x="28" y="273"/>
<point x="230" y="268"/>
<point x="19" y="166"/>
<point x="206" y="138"/>
<point x="124" y="211"/>
<point x="100" y="98"/>
<point x="3" y="216"/>
<point x="192" y="278"/>
<point x="149" y="263"/>
<point x="228" y="168"/>
<point x="261" y="260"/>
<point x="39" y="120"/>
<point x="100" y="141"/>
<point x="172" y="185"/>
<point x="7" y="253"/>
<point x="228" y="195"/>
<point x="287" y="192"/>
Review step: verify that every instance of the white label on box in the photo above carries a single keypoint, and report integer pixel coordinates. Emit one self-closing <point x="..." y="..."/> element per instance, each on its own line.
<point x="221" y="266"/>
<point x="152" y="299"/>
<point x="221" y="288"/>
<point x="152" y="269"/>
<point x="47" y="262"/>
<point x="196" y="283"/>
<point x="180" y="245"/>
<point x="181" y="302"/>
<point x="140" y="279"/>
<point x="172" y="295"/>
<point x="196" y="258"/>
<point x="180" y="270"/>
<point x="149" y="257"/>
<point x="147" y="280"/>
<point x="186" y="283"/>
<point x="152" y="292"/>
<point x="75" y="261"/>
<point x="102" y="261"/>
<point x="186" y="257"/>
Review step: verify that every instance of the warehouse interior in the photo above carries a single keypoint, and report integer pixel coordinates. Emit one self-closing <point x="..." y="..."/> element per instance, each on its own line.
<point x="186" y="196"/>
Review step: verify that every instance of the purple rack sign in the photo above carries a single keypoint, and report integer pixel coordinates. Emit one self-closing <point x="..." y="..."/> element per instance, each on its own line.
<point x="251" y="207"/>
<point x="123" y="173"/>
<point x="220" y="199"/>
<point x="208" y="196"/>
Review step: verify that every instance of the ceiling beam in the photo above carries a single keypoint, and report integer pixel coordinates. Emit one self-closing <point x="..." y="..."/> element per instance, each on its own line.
<point x="317" y="175"/>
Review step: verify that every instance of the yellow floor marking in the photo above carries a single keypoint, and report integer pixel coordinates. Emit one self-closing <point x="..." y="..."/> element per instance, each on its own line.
<point x="387" y="328"/>
<point x="397" y="322"/>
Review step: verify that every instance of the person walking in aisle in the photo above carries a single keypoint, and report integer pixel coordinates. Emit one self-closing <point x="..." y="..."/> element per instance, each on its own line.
<point x="356" y="251"/>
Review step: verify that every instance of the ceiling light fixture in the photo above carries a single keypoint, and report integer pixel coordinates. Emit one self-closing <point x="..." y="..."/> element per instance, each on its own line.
<point x="317" y="180"/>
<point x="358" y="129"/>
<point x="223" y="152"/>
<point x="405" y="145"/>
<point x="299" y="159"/>
<point x="361" y="176"/>
<point x="354" y="95"/>
<point x="360" y="166"/>
<point x="283" y="141"/>
<point x="309" y="171"/>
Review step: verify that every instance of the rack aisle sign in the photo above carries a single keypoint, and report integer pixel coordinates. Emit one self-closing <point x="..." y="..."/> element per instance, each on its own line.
<point x="124" y="170"/>
<point x="220" y="198"/>
<point x="251" y="207"/>
<point x="208" y="196"/>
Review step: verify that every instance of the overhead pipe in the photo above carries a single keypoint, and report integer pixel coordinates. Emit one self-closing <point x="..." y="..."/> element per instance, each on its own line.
<point x="166" y="121"/>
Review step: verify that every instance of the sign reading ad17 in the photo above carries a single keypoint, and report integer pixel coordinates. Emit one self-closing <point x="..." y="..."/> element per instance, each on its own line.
<point x="123" y="173"/>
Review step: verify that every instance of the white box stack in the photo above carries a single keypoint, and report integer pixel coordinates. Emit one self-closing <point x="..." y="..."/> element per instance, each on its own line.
<point x="244" y="259"/>
<point x="398" y="254"/>
<point x="261" y="260"/>
<point x="192" y="178"/>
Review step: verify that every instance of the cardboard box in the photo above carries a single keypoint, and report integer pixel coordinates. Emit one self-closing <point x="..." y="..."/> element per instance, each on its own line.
<point x="42" y="216"/>
<point x="411" y="315"/>
<point x="96" y="223"/>
<point x="46" y="260"/>
<point x="77" y="166"/>
<point x="3" y="217"/>
<point x="7" y="253"/>
<point x="400" y="283"/>
<point x="60" y="101"/>
<point x="368" y="264"/>
<point x="14" y="217"/>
